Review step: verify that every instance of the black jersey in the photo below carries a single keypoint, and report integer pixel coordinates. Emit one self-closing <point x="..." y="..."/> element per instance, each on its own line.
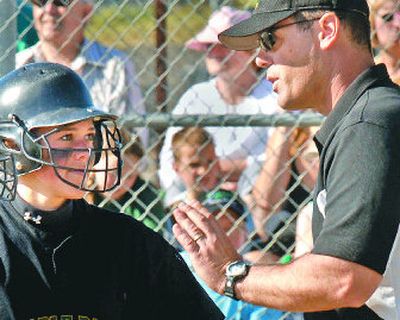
<point x="95" y="264"/>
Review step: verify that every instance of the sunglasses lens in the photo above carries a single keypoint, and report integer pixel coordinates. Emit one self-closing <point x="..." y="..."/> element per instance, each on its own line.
<point x="267" y="40"/>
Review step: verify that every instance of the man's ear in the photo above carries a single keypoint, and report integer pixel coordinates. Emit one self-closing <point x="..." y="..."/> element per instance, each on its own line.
<point x="329" y="30"/>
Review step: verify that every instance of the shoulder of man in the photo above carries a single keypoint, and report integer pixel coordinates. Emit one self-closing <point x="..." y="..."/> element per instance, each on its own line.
<point x="378" y="106"/>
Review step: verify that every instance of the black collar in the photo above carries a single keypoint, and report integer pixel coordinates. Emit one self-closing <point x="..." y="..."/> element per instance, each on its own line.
<point x="44" y="219"/>
<point x="372" y="77"/>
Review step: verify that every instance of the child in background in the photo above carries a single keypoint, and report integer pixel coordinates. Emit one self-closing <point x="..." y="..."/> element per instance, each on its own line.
<point x="195" y="162"/>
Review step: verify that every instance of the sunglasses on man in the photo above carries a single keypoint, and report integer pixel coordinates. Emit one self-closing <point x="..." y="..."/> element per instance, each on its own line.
<point x="57" y="3"/>
<point x="267" y="38"/>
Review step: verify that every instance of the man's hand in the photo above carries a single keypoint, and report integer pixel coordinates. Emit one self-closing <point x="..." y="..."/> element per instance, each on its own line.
<point x="209" y="248"/>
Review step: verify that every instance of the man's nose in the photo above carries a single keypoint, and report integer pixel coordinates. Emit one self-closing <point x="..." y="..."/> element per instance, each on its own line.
<point x="50" y="7"/>
<point x="263" y="59"/>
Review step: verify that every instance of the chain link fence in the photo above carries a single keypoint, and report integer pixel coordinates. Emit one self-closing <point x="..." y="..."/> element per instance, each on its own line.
<point x="273" y="184"/>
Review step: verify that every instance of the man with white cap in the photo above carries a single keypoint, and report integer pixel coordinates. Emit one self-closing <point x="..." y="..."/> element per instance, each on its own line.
<point x="233" y="89"/>
<point x="318" y="54"/>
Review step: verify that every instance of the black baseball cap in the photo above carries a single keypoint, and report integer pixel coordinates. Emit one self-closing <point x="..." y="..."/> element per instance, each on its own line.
<point x="244" y="35"/>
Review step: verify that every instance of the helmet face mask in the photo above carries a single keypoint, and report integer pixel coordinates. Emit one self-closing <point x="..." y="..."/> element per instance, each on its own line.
<point x="36" y="102"/>
<point x="103" y="159"/>
<point x="8" y="176"/>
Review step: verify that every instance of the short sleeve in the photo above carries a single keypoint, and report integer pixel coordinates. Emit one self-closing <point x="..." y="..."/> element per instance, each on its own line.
<point x="362" y="196"/>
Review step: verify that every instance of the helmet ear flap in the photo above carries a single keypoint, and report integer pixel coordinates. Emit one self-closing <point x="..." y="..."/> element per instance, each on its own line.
<point x="26" y="159"/>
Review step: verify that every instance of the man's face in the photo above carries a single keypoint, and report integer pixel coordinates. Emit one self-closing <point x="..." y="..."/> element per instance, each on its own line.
<point x="292" y="65"/>
<point x="198" y="167"/>
<point x="58" y="23"/>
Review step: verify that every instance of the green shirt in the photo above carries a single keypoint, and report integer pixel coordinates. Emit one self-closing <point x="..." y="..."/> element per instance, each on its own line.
<point x="142" y="202"/>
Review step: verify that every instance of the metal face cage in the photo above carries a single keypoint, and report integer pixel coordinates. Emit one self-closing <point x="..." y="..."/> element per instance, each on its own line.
<point x="101" y="170"/>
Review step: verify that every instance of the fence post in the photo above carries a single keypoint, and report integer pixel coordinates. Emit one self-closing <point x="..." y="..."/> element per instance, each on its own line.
<point x="161" y="59"/>
<point x="8" y="35"/>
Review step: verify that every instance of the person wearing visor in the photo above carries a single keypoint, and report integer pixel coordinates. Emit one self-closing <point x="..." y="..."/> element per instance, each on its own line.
<point x="318" y="54"/>
<point x="61" y="258"/>
<point x="385" y="25"/>
<point x="108" y="73"/>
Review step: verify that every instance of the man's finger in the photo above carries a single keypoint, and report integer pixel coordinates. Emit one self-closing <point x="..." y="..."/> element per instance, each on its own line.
<point x="191" y="229"/>
<point x="201" y="219"/>
<point x="184" y="239"/>
<point x="205" y="220"/>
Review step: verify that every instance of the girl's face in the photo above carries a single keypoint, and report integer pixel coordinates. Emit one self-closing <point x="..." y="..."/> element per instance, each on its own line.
<point x="71" y="151"/>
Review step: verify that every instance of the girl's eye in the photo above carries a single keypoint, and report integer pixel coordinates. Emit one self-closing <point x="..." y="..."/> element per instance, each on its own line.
<point x="66" y="137"/>
<point x="90" y="137"/>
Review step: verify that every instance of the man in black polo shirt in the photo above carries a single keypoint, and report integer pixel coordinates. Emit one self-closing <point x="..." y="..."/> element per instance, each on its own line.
<point x="318" y="55"/>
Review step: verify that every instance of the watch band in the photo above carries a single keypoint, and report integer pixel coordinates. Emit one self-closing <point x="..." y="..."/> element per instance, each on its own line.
<point x="229" y="289"/>
<point x="235" y="271"/>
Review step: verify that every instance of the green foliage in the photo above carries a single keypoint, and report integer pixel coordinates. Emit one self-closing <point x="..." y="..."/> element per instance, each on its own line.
<point x="245" y="4"/>
<point x="132" y="25"/>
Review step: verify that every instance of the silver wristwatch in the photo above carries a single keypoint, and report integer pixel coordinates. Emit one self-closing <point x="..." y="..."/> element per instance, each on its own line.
<point x="235" y="271"/>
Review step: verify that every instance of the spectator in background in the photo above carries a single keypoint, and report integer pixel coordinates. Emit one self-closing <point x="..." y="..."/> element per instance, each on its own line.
<point x="195" y="163"/>
<point x="385" y="24"/>
<point x="134" y="196"/>
<point x="233" y="89"/>
<point x="285" y="181"/>
<point x="108" y="73"/>
<point x="229" y="210"/>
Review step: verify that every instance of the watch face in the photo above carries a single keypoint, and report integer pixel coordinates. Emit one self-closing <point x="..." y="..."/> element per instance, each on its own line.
<point x="235" y="269"/>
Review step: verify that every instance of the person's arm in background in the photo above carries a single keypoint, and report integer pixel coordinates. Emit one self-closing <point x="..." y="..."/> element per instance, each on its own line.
<point x="231" y="169"/>
<point x="270" y="186"/>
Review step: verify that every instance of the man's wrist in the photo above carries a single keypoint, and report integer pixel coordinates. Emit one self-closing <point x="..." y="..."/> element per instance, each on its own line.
<point x="235" y="271"/>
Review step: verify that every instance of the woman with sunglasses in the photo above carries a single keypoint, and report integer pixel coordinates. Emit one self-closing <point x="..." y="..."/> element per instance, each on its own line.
<point x="385" y="23"/>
